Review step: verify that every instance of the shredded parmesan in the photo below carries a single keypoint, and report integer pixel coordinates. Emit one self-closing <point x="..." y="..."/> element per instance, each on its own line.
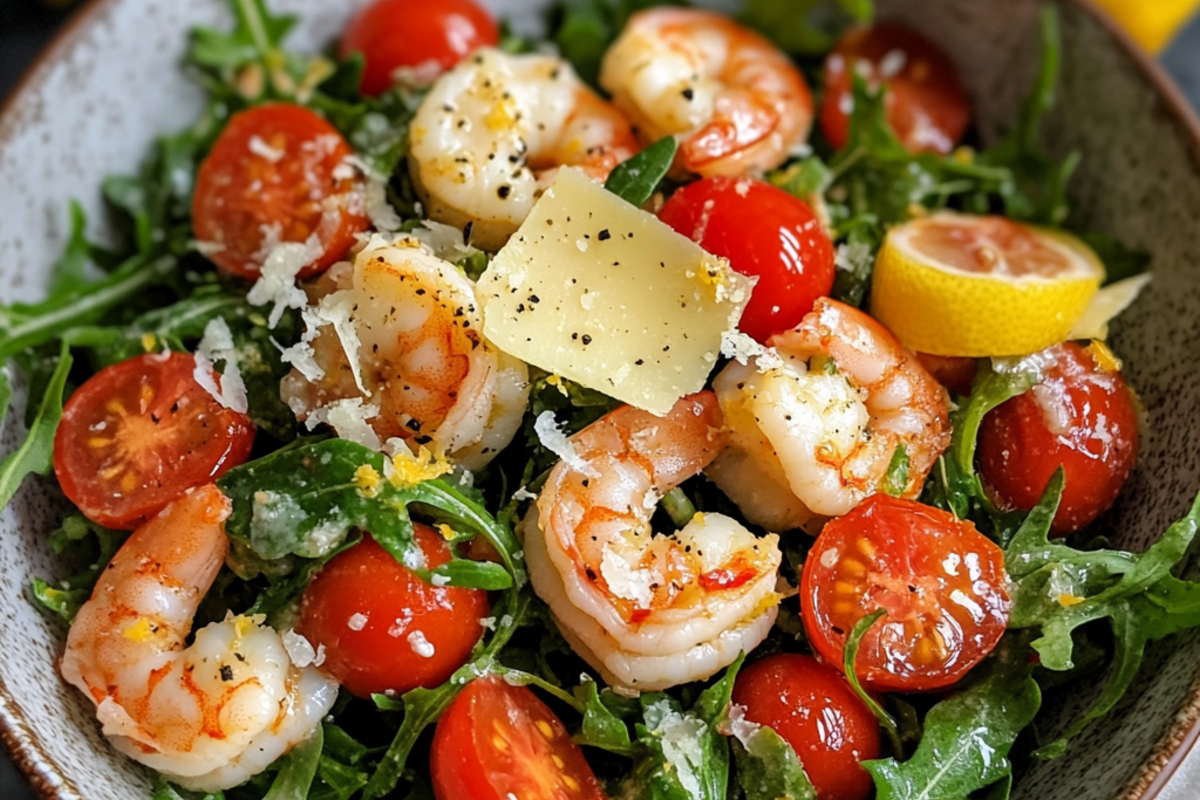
<point x="337" y="310"/>
<point x="300" y="649"/>
<point x="264" y="150"/>
<point x="277" y="282"/>
<point x="420" y="645"/>
<point x="550" y="434"/>
<point x="217" y="345"/>
<point x="348" y="417"/>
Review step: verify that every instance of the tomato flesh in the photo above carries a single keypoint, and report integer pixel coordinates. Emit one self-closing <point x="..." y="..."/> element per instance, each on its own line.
<point x="426" y="36"/>
<point x="498" y="741"/>
<point x="1083" y="418"/>
<point x="942" y="583"/>
<point x="764" y="232"/>
<point x="926" y="104"/>
<point x="813" y="708"/>
<point x="272" y="177"/>
<point x="385" y="629"/>
<point x="139" y="434"/>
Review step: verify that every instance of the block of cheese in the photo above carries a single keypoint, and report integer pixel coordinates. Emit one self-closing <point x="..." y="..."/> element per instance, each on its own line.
<point x="604" y="294"/>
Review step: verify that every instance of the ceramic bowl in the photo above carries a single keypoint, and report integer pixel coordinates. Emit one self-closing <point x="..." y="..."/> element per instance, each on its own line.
<point x="110" y="84"/>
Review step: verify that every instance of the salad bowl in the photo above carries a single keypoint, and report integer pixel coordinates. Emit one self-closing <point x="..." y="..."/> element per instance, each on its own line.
<point x="111" y="83"/>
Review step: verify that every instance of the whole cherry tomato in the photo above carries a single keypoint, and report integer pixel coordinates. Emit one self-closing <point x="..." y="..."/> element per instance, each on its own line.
<point x="927" y="106"/>
<point x="426" y="36"/>
<point x="497" y="741"/>
<point x="138" y="434"/>
<point x="764" y="232"/>
<point x="383" y="628"/>
<point x="1083" y="418"/>
<point x="813" y="708"/>
<point x="273" y="177"/>
<point x="941" y="581"/>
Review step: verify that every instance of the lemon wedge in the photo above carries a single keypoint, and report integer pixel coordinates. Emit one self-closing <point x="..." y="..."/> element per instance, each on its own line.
<point x="960" y="285"/>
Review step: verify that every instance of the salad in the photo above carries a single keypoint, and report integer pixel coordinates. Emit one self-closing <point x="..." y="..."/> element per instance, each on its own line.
<point x="680" y="406"/>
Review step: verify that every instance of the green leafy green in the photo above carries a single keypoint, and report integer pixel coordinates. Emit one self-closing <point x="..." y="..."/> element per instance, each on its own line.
<point x="297" y="769"/>
<point x="849" y="657"/>
<point x="35" y="455"/>
<point x="602" y="727"/>
<point x="895" y="480"/>
<point x="967" y="737"/>
<point x="768" y="768"/>
<point x="805" y="27"/>
<point x="584" y="29"/>
<point x="85" y="542"/>
<point x="1058" y="589"/>
<point x="636" y="180"/>
<point x="303" y="501"/>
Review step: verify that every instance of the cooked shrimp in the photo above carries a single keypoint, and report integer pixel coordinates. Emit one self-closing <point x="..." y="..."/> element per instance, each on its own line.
<point x="209" y="715"/>
<point x="815" y="432"/>
<point x="648" y="610"/>
<point x="408" y="343"/>
<point x="736" y="103"/>
<point x="490" y="130"/>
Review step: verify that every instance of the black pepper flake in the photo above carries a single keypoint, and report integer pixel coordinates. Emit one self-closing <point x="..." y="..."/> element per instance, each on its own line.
<point x="504" y="191"/>
<point x="689" y="94"/>
<point x="413" y="425"/>
<point x="587" y="339"/>
<point x="422" y="439"/>
<point x="639" y="362"/>
<point x="226" y="673"/>
<point x="467" y="229"/>
<point x="605" y="235"/>
<point x="533" y="298"/>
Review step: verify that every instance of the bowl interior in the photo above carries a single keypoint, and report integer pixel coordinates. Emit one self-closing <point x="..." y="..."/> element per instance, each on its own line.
<point x="112" y="85"/>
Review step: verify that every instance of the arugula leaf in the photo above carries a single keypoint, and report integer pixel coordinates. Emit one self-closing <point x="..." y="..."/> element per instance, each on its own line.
<point x="684" y="755"/>
<point x="35" y="455"/>
<point x="165" y="790"/>
<point x="636" y="180"/>
<point x="87" y="543"/>
<point x="1058" y="589"/>
<point x="968" y="737"/>
<point x="768" y="768"/>
<point x="895" y="480"/>
<point x="602" y="727"/>
<point x="583" y="30"/>
<point x="304" y="501"/>
<point x="297" y="768"/>
<point x="422" y="707"/>
<point x="805" y="27"/>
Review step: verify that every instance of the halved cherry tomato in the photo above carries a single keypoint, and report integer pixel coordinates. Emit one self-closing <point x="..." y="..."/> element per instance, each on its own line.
<point x="956" y="373"/>
<point x="383" y="627"/>
<point x="1083" y="418"/>
<point x="427" y="36"/>
<point x="272" y="177"/>
<point x="812" y="707"/>
<point x="139" y="434"/>
<point x="941" y="581"/>
<point x="927" y="106"/>
<point x="498" y="741"/>
<point x="763" y="231"/>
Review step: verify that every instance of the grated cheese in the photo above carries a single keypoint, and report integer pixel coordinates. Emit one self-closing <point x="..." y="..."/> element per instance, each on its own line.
<point x="217" y="345"/>
<point x="550" y="434"/>
<point x="277" y="282"/>
<point x="348" y="417"/>
<point x="262" y="149"/>
<point x="420" y="645"/>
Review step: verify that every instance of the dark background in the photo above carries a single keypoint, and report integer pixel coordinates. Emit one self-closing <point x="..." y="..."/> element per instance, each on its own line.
<point x="26" y="26"/>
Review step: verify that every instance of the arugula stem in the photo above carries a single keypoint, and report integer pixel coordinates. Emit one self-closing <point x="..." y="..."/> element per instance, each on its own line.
<point x="849" y="657"/>
<point x="520" y="678"/>
<point x="678" y="506"/>
<point x="248" y="11"/>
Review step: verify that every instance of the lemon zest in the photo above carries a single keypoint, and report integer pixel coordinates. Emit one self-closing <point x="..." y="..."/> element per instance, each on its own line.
<point x="446" y="531"/>
<point x="141" y="631"/>
<point x="410" y="470"/>
<point x="1105" y="358"/>
<point x="149" y="342"/>
<point x="556" y="381"/>
<point x="1068" y="600"/>
<point x="368" y="481"/>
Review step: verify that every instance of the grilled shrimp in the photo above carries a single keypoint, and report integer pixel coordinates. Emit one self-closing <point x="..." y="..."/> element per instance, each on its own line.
<point x="209" y="715"/>
<point x="736" y="103"/>
<point x="648" y="610"/>
<point x="488" y="133"/>
<point x="816" y="432"/>
<point x="408" y="346"/>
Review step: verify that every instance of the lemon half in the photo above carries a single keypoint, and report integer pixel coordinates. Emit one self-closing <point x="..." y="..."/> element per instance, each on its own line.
<point x="961" y="285"/>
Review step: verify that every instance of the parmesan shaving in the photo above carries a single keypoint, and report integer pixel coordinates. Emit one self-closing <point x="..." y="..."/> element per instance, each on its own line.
<point x="348" y="417"/>
<point x="277" y="282"/>
<point x="420" y="645"/>
<point x="550" y="434"/>
<point x="217" y="345"/>
<point x="264" y="150"/>
<point x="337" y="310"/>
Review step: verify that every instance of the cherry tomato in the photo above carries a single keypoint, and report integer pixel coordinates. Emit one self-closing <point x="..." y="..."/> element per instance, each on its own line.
<point x="273" y="177"/>
<point x="926" y="104"/>
<point x="764" y="232"/>
<point x="1082" y="418"/>
<point x="956" y="373"/>
<point x="427" y="36"/>
<point x="812" y="707"/>
<point x="498" y="741"/>
<point x="941" y="582"/>
<point x="139" y="434"/>
<point x="383" y="627"/>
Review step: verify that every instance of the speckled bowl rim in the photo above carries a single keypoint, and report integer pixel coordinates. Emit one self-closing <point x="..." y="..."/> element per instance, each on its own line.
<point x="1169" y="753"/>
